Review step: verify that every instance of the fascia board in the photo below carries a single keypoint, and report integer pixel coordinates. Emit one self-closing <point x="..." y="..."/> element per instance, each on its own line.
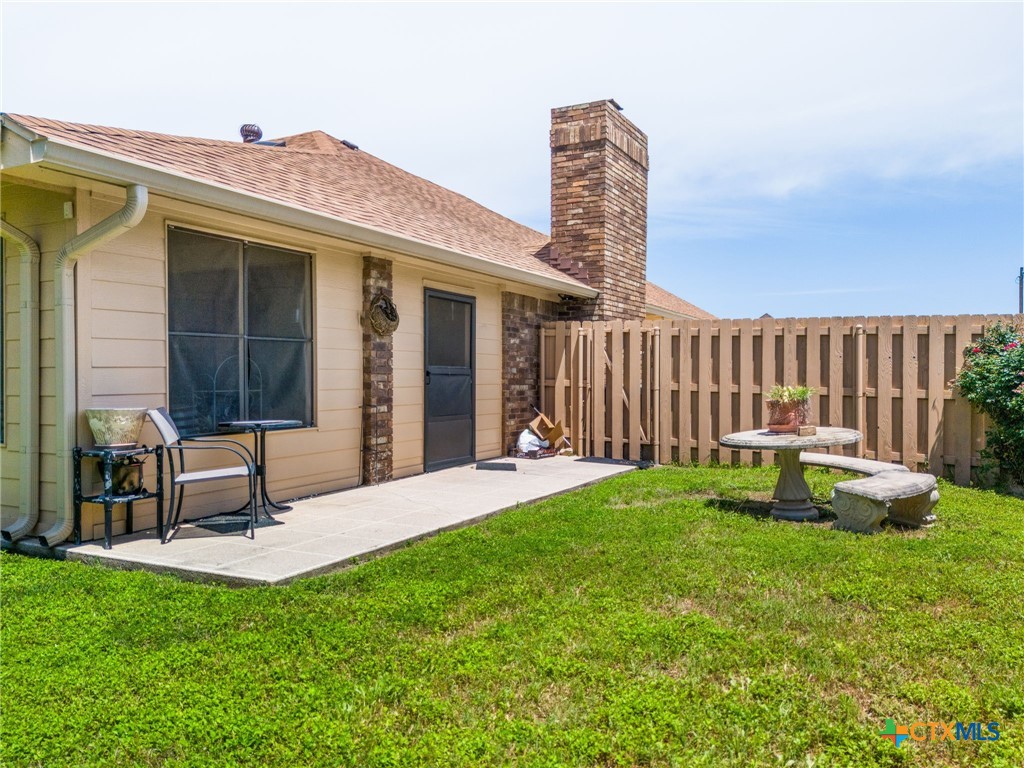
<point x="654" y="309"/>
<point x="19" y="145"/>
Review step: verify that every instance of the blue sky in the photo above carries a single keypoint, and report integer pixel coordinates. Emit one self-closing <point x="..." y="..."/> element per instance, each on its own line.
<point x="806" y="158"/>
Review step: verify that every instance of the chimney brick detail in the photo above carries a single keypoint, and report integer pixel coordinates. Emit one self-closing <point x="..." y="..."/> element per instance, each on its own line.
<point x="599" y="168"/>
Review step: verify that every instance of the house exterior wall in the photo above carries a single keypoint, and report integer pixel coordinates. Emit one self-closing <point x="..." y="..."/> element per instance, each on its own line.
<point x="121" y="322"/>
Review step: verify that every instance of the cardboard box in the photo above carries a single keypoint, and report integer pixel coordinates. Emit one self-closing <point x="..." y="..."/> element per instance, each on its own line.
<point x="541" y="426"/>
<point x="545" y="430"/>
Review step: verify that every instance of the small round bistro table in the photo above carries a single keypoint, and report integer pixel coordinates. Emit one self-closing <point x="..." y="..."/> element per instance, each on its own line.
<point x="792" y="496"/>
<point x="259" y="429"/>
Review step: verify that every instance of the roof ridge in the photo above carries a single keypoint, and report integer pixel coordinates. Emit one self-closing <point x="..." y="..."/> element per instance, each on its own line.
<point x="323" y="142"/>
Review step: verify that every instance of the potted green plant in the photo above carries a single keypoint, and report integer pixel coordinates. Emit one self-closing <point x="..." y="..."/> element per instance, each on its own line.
<point x="789" y="408"/>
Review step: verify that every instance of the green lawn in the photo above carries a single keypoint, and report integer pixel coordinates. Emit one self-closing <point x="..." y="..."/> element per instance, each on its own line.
<point x="659" y="618"/>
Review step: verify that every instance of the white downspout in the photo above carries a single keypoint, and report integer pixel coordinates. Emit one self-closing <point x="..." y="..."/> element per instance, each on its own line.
<point x="64" y="331"/>
<point x="28" y="397"/>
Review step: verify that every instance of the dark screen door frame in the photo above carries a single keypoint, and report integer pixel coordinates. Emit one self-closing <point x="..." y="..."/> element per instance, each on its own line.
<point x="434" y="370"/>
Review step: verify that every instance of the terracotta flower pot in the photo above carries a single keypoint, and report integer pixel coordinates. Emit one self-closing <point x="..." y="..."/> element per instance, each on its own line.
<point x="788" y="416"/>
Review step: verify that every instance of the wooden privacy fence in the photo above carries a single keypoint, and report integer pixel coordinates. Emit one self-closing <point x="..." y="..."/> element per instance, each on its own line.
<point x="667" y="390"/>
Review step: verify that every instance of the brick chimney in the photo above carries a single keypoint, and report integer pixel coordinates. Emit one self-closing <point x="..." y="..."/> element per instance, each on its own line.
<point x="599" y="204"/>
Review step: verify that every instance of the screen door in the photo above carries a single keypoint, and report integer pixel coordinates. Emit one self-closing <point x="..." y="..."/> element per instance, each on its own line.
<point x="449" y="429"/>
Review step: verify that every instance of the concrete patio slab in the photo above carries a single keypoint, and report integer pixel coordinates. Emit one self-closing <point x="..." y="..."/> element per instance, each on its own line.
<point x="336" y="530"/>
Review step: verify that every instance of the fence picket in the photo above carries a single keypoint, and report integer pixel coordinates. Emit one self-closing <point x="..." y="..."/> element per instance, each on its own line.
<point x="745" y="329"/>
<point x="664" y="412"/>
<point x="580" y="382"/>
<point x="616" y="363"/>
<point x="599" y="376"/>
<point x="632" y="396"/>
<point x="836" y="377"/>
<point x="725" y="414"/>
<point x="860" y="385"/>
<point x="685" y="412"/>
<point x="789" y="361"/>
<point x="883" y="391"/>
<point x="542" y="374"/>
<point x="936" y="393"/>
<point x="563" y="369"/>
<point x="813" y="376"/>
<point x="961" y="408"/>
<point x="704" y="391"/>
<point x="908" y="389"/>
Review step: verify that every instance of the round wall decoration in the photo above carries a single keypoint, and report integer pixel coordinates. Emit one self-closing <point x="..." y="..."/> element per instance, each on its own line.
<point x="383" y="315"/>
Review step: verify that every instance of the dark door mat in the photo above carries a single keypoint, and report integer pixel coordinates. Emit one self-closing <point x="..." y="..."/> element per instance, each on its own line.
<point x="507" y="466"/>
<point x="233" y="523"/>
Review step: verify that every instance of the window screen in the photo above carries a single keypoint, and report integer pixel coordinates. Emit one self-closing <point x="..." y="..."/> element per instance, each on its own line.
<point x="239" y="331"/>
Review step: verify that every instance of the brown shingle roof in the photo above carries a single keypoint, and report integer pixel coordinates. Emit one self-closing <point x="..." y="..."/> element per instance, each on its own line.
<point x="662" y="299"/>
<point x="319" y="173"/>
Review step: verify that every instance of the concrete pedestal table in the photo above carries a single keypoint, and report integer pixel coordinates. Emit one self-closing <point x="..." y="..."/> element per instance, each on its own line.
<point x="792" y="496"/>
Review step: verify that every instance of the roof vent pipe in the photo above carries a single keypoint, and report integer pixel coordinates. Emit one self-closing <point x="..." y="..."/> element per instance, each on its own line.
<point x="251" y="133"/>
<point x="28" y="399"/>
<point x="64" y="345"/>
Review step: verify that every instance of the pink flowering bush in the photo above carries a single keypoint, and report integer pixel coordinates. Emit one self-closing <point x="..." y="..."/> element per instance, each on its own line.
<point x="992" y="379"/>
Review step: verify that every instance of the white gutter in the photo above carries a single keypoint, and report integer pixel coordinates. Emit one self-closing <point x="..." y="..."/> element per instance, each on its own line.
<point x="64" y="345"/>
<point x="113" y="169"/>
<point x="28" y="396"/>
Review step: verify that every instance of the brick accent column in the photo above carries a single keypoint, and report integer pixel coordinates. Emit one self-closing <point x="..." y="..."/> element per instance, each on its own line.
<point x="378" y="379"/>
<point x="521" y="318"/>
<point x="599" y="204"/>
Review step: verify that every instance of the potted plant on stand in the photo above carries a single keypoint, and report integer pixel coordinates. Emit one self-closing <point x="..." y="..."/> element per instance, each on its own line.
<point x="789" y="408"/>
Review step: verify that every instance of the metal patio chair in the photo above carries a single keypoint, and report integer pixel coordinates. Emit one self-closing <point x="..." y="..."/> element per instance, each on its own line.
<point x="174" y="442"/>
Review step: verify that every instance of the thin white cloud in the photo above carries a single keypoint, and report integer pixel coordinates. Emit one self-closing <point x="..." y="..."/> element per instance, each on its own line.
<point x="741" y="100"/>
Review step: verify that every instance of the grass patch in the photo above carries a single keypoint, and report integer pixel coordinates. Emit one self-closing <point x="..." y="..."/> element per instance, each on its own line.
<point x="660" y="618"/>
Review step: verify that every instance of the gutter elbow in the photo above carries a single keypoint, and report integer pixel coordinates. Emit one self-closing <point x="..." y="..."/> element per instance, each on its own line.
<point x="135" y="205"/>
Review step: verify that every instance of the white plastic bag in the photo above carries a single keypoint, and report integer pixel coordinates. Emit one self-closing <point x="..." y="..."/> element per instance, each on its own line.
<point x="530" y="442"/>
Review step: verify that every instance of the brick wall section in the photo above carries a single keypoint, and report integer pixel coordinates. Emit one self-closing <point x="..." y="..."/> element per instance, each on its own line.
<point x="521" y="318"/>
<point x="599" y="168"/>
<point x="378" y="379"/>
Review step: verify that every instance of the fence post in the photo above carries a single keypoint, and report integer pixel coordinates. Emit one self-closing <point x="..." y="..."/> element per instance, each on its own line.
<point x="859" y="394"/>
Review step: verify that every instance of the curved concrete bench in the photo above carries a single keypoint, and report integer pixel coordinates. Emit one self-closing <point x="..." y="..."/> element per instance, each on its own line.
<point x="904" y="497"/>
<point x="850" y="464"/>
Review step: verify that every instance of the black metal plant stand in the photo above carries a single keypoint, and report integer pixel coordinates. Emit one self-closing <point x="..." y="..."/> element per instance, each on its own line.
<point x="108" y="498"/>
